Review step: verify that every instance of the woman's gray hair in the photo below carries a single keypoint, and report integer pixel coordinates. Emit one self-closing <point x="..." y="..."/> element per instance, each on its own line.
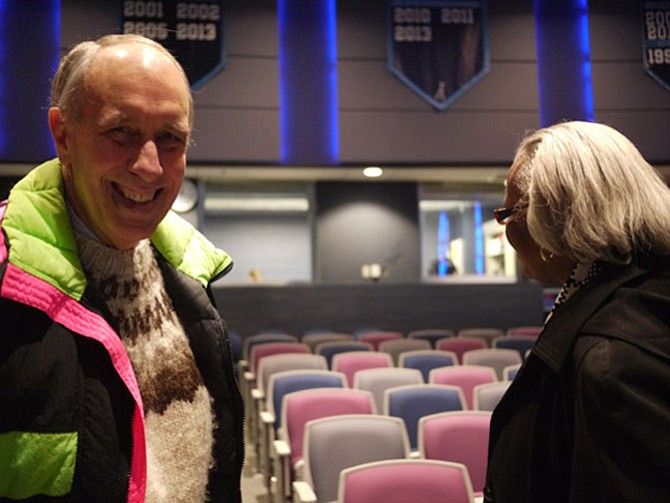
<point x="68" y="87"/>
<point x="591" y="195"/>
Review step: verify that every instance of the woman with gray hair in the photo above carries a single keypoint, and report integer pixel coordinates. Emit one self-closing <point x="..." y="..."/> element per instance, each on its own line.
<point x="588" y="416"/>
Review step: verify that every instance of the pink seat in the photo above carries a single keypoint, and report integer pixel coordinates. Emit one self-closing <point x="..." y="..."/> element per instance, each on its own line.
<point x="526" y="331"/>
<point x="460" y="345"/>
<point x="300" y="407"/>
<point x="376" y="338"/>
<point x="464" y="376"/>
<point x="274" y="348"/>
<point x="351" y="362"/>
<point x="403" y="480"/>
<point x="250" y="378"/>
<point x="487" y="334"/>
<point x="461" y="437"/>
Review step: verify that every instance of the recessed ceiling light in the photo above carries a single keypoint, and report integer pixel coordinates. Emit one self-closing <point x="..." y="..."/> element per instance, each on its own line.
<point x="373" y="171"/>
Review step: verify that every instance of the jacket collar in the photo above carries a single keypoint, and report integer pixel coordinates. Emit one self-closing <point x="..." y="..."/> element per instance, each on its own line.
<point x="558" y="336"/>
<point x="37" y="225"/>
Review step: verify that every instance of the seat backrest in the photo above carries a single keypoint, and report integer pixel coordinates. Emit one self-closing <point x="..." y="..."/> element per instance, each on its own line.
<point x="465" y="377"/>
<point x="331" y="348"/>
<point x="405" y="480"/>
<point x="314" y="339"/>
<point x="378" y="380"/>
<point x="300" y="407"/>
<point x="529" y="331"/>
<point x="251" y="340"/>
<point x="427" y="360"/>
<point x="236" y="345"/>
<point x="351" y="362"/>
<point x="260" y="351"/>
<point x="376" y="338"/>
<point x="358" y="331"/>
<point x="412" y="402"/>
<point x="497" y="358"/>
<point x="431" y="335"/>
<point x="522" y="343"/>
<point x="334" y="443"/>
<point x="510" y="372"/>
<point x="281" y="362"/>
<point x="460" y="345"/>
<point x="486" y="396"/>
<point x="461" y="437"/>
<point x="395" y="347"/>
<point x="283" y="383"/>
<point x="487" y="334"/>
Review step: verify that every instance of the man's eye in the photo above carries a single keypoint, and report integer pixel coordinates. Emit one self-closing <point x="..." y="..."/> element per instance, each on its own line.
<point x="121" y="135"/>
<point x="171" y="139"/>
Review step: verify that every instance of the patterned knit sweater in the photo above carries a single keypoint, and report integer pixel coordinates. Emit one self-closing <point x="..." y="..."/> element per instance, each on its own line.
<point x="177" y="406"/>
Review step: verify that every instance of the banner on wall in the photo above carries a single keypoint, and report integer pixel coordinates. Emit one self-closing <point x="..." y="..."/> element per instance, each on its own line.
<point x="656" y="41"/>
<point x="191" y="30"/>
<point x="439" y="48"/>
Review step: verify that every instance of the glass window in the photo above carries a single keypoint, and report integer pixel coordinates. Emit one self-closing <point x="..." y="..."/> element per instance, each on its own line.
<point x="460" y="240"/>
<point x="266" y="228"/>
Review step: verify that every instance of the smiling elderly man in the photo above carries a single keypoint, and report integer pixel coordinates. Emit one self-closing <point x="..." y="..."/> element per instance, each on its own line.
<point x="116" y="378"/>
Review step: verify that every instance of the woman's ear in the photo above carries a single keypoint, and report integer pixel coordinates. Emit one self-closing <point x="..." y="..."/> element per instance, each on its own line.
<point x="59" y="132"/>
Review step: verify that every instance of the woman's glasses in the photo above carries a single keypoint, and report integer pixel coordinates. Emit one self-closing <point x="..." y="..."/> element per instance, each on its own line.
<point x="504" y="215"/>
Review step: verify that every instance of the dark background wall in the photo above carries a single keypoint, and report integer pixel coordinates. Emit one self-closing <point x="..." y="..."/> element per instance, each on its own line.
<point x="386" y="306"/>
<point x="363" y="223"/>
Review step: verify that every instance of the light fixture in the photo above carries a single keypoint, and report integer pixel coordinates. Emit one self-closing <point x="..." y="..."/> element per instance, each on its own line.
<point x="373" y="172"/>
<point x="187" y="199"/>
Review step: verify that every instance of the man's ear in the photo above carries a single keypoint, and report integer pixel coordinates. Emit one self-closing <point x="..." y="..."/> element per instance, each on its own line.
<point x="59" y="133"/>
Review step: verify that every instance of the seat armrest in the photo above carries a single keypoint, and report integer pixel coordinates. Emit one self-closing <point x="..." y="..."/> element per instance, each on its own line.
<point x="303" y="492"/>
<point x="281" y="461"/>
<point x="267" y="417"/>
<point x="281" y="449"/>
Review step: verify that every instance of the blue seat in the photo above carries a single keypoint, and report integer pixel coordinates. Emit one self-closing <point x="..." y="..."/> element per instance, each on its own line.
<point x="521" y="343"/>
<point x="282" y="383"/>
<point x="427" y="360"/>
<point x="279" y="385"/>
<point x="236" y="345"/>
<point x="411" y="403"/>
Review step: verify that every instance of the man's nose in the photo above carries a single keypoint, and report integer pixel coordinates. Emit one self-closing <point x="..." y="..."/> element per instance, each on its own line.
<point x="148" y="164"/>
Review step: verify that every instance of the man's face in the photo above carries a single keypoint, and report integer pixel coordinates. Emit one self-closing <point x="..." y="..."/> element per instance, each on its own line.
<point x="124" y="158"/>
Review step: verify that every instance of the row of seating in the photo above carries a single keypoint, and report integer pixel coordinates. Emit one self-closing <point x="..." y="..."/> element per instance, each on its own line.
<point x="242" y="346"/>
<point x="368" y="370"/>
<point x="402" y="480"/>
<point x="327" y="431"/>
<point x="356" y="364"/>
<point x="409" y="402"/>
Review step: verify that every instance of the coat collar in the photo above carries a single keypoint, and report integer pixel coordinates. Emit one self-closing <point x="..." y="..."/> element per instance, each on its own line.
<point x="558" y="336"/>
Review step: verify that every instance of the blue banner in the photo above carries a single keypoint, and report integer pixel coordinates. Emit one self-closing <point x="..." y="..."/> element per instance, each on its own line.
<point x="656" y="41"/>
<point x="439" y="48"/>
<point x="192" y="30"/>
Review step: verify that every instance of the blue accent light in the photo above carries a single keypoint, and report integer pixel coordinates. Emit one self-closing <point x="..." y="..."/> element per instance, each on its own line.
<point x="4" y="122"/>
<point x="308" y="108"/>
<point x="563" y="60"/>
<point x="479" y="239"/>
<point x="442" y="244"/>
<point x="28" y="60"/>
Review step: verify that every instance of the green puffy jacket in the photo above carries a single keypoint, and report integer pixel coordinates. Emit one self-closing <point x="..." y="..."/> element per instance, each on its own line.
<point x="71" y="421"/>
